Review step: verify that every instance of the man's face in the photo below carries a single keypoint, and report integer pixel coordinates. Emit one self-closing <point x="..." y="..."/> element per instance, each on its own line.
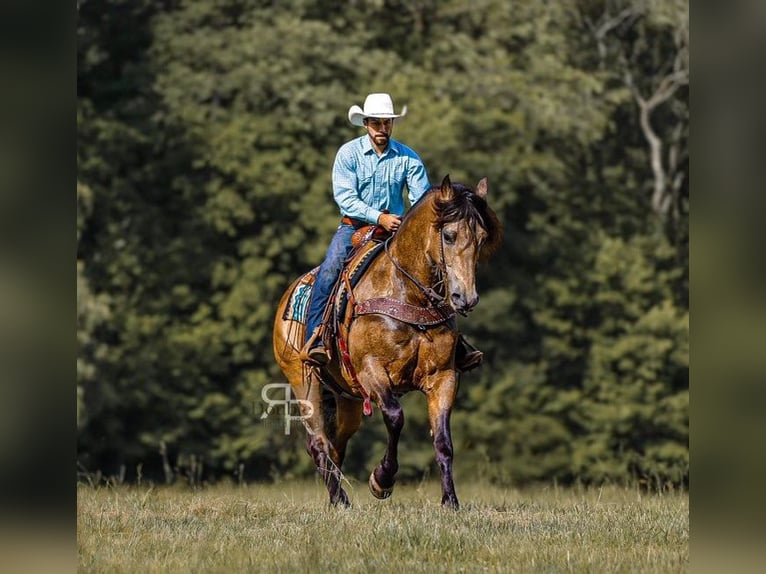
<point x="379" y="130"/>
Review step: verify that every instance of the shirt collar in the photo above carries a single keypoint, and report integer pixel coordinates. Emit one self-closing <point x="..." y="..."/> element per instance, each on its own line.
<point x="368" y="149"/>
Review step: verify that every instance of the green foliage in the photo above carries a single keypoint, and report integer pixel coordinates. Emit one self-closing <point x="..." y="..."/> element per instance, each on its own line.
<point x="634" y="411"/>
<point x="207" y="131"/>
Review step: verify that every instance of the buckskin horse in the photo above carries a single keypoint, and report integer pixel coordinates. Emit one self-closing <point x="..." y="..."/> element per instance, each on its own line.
<point x="400" y="335"/>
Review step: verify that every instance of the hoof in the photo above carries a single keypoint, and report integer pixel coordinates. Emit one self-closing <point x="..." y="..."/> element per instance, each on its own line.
<point x="341" y="501"/>
<point x="451" y="504"/>
<point x="378" y="491"/>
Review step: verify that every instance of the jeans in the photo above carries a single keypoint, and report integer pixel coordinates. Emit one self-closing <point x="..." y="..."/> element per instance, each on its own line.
<point x="328" y="274"/>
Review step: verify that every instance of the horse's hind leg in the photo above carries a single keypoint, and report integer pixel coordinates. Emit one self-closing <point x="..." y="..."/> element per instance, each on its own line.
<point x="319" y="444"/>
<point x="383" y="476"/>
<point x="307" y="388"/>
<point x="348" y="419"/>
<point x="322" y="451"/>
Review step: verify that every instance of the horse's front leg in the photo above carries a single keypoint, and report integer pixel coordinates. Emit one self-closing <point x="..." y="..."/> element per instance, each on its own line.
<point x="441" y="397"/>
<point x="383" y="476"/>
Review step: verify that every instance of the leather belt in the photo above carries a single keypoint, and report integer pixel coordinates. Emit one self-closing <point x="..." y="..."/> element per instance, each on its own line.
<point x="355" y="223"/>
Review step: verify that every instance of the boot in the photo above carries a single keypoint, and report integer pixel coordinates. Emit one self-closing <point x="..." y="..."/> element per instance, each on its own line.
<point x="467" y="357"/>
<point x="313" y="352"/>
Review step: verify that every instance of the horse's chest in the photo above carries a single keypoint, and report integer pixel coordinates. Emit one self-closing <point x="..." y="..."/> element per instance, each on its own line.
<point x="433" y="354"/>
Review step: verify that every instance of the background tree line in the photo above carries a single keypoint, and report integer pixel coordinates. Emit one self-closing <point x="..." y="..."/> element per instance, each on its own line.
<point x="207" y="131"/>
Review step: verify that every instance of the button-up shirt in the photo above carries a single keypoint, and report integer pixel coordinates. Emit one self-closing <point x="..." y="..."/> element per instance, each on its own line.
<point x="364" y="184"/>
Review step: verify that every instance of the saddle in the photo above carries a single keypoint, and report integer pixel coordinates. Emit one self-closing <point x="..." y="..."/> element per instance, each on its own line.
<point x="367" y="244"/>
<point x="368" y="233"/>
<point x="362" y="241"/>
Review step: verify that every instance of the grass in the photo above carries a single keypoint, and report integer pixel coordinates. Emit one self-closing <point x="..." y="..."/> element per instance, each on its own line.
<point x="290" y="528"/>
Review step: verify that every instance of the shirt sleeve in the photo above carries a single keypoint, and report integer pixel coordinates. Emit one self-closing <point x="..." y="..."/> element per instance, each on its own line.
<point x="345" y="187"/>
<point x="417" y="179"/>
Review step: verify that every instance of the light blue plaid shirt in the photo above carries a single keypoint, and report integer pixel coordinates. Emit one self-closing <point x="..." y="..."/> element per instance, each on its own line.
<point x="365" y="184"/>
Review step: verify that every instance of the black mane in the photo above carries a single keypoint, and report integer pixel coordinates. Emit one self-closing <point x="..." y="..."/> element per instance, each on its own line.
<point x="465" y="205"/>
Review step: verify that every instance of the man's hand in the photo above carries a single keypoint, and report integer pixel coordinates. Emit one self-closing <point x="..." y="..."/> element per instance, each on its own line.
<point x="389" y="221"/>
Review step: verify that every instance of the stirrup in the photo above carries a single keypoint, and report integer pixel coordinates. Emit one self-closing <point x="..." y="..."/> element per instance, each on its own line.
<point x="470" y="361"/>
<point x="468" y="357"/>
<point x="313" y="352"/>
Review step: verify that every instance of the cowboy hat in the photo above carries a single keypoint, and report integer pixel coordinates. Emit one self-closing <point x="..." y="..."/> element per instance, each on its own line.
<point x="375" y="106"/>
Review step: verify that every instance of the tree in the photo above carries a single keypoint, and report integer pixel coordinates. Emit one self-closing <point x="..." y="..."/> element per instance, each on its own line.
<point x="206" y="134"/>
<point x="647" y="43"/>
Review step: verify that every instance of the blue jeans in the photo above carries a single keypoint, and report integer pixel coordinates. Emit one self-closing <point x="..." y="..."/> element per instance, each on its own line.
<point x="328" y="273"/>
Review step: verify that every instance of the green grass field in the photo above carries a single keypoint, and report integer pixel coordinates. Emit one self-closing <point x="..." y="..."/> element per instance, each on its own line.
<point x="289" y="527"/>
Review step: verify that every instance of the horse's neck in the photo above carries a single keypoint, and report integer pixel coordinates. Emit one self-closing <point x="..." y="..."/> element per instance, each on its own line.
<point x="409" y="248"/>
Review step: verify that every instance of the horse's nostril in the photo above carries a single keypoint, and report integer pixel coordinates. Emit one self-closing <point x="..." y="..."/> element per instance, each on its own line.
<point x="457" y="297"/>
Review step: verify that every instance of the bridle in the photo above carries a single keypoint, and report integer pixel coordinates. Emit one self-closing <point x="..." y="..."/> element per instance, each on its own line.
<point x="431" y="293"/>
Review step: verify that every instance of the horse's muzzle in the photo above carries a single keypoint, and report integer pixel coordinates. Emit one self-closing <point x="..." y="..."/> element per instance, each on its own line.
<point x="462" y="304"/>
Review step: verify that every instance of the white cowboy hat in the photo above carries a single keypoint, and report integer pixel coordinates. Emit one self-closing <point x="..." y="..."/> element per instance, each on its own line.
<point x="375" y="106"/>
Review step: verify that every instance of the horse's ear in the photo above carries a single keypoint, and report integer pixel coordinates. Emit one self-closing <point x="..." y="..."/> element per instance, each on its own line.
<point x="445" y="193"/>
<point x="482" y="188"/>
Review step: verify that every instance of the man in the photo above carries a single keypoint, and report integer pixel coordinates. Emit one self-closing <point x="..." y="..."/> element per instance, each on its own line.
<point x="368" y="179"/>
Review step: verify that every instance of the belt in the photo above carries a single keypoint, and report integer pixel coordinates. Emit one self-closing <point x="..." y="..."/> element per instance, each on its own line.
<point x="355" y="223"/>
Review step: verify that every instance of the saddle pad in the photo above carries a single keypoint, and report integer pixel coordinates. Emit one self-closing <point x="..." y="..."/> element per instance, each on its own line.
<point x="298" y="303"/>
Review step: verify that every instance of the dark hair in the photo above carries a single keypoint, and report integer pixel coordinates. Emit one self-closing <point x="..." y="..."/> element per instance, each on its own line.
<point x="465" y="205"/>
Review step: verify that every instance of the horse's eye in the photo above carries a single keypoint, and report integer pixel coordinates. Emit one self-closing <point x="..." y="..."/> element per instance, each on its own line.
<point x="449" y="237"/>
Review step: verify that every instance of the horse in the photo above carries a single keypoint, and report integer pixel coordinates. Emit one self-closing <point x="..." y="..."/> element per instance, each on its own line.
<point x="426" y="269"/>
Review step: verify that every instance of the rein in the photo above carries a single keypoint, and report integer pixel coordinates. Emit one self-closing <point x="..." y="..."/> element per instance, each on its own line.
<point x="431" y="294"/>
